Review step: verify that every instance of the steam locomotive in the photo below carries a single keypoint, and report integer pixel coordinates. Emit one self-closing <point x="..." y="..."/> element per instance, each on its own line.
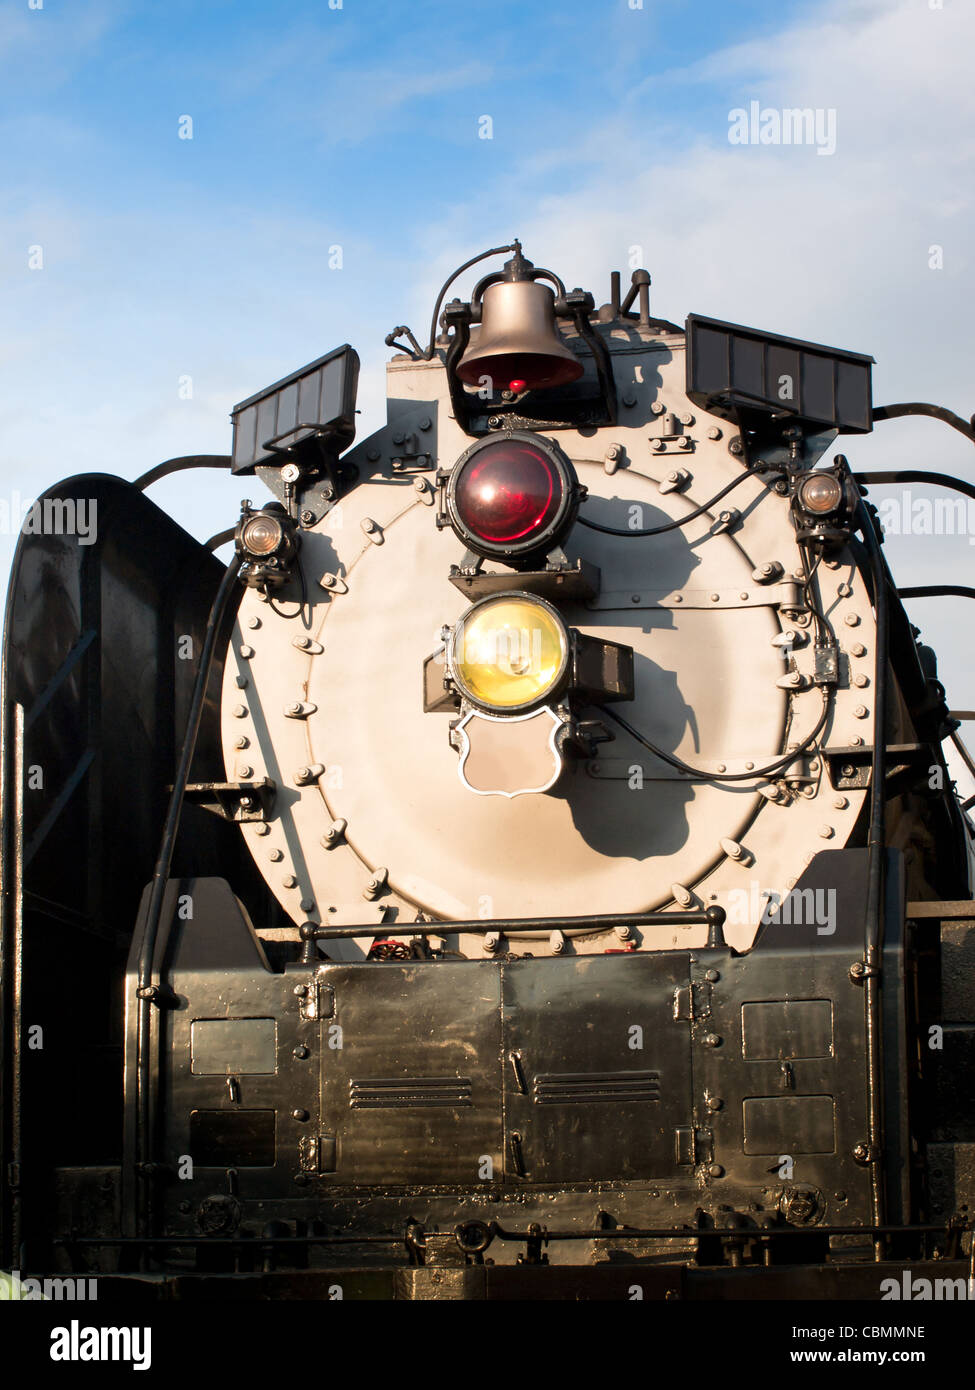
<point x="529" y="868"/>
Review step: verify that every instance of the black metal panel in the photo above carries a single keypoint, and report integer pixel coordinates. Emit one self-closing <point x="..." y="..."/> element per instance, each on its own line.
<point x="412" y="1094"/>
<point x="731" y="369"/>
<point x="598" y="1079"/>
<point x="99" y="598"/>
<point x="318" y="399"/>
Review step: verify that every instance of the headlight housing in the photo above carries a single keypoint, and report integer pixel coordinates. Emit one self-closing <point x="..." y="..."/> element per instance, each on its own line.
<point x="267" y="543"/>
<point x="512" y="497"/>
<point x="509" y="653"/>
<point x="824" y="503"/>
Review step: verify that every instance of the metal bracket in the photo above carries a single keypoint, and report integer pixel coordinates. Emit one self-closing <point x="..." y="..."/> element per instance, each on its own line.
<point x="236" y="801"/>
<point x="783" y="595"/>
<point x="849" y="768"/>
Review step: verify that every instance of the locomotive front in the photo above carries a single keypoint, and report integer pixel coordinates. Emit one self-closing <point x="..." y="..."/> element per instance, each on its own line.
<point x="549" y="717"/>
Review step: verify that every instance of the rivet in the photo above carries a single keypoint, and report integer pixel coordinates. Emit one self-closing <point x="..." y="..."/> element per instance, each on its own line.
<point x="426" y="423"/>
<point x="743" y="596"/>
<point x="373" y="454"/>
<point x="856" y="741"/>
<point x="749" y="766"/>
<point x="715" y="597"/>
<point x="840" y="802"/>
<point x="629" y="399"/>
<point x="634" y="598"/>
<point x="722" y="767"/>
<point x="253" y="622"/>
<point x="714" y="1102"/>
<point x="678" y="598"/>
<point x="242" y="742"/>
<point x="712" y="976"/>
<point x="247" y="652"/>
<point x="245" y="772"/>
<point x="299" y="1114"/>
<point x="301" y="1052"/>
<point x="715" y="1170"/>
<point x="300" y="991"/>
<point x="711" y="1040"/>
<point x="239" y="711"/>
<point x="241" y="682"/>
<point x="307" y="904"/>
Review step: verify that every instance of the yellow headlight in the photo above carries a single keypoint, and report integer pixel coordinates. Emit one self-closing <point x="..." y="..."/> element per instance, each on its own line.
<point x="509" y="652"/>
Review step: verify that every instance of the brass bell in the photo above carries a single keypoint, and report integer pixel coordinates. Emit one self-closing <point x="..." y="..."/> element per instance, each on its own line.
<point x="518" y="346"/>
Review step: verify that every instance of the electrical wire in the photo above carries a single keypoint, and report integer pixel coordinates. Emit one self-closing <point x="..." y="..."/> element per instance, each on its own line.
<point x="698" y="772"/>
<point x="301" y="603"/>
<point x="672" y="525"/>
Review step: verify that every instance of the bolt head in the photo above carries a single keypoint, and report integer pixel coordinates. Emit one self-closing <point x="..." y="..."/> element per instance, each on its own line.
<point x="301" y="1052"/>
<point x="715" y="1170"/>
<point x="299" y="1114"/>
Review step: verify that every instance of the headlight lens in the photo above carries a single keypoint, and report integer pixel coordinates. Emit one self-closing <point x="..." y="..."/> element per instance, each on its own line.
<point x="261" y="535"/>
<point x="820" y="493"/>
<point x="509" y="652"/>
<point x="508" y="492"/>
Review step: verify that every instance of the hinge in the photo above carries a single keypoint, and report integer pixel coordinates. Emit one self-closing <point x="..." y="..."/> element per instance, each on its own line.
<point x="693" y="1146"/>
<point x="316" y="1153"/>
<point x="318" y="1001"/>
<point x="692" y="1002"/>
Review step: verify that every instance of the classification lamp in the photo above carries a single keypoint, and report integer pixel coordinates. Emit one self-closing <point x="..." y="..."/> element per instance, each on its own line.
<point x="511" y="497"/>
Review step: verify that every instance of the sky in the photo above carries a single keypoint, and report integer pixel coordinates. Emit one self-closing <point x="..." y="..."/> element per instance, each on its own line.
<point x="337" y="172"/>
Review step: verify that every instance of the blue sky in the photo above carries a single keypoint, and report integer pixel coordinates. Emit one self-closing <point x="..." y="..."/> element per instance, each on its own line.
<point x="166" y="258"/>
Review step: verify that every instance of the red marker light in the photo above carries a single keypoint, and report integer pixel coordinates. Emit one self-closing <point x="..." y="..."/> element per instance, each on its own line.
<point x="508" y="493"/>
<point x="517" y="386"/>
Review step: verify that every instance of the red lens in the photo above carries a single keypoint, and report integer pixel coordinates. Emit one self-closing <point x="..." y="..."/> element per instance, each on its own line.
<point x="508" y="492"/>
